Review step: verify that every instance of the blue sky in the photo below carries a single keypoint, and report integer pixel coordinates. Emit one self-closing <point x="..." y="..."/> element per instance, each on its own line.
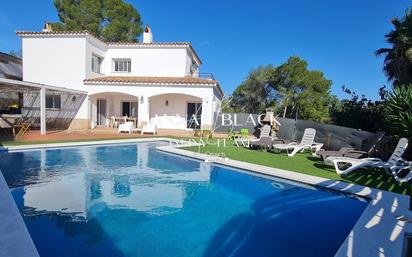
<point x="232" y="37"/>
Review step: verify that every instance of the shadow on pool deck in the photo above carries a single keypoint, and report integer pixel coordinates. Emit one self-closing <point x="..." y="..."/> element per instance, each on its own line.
<point x="376" y="178"/>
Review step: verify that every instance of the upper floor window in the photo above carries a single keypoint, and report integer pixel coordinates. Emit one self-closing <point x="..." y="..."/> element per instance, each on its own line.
<point x="96" y="63"/>
<point x="194" y="68"/>
<point x="53" y="101"/>
<point x="122" y="65"/>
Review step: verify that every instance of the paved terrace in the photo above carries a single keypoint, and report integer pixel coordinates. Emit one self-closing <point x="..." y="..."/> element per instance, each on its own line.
<point x="94" y="134"/>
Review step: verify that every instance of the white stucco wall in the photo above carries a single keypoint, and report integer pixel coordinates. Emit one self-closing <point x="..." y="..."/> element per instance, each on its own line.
<point x="177" y="104"/>
<point x="161" y="62"/>
<point x="174" y="115"/>
<point x="96" y="47"/>
<point x="57" y="61"/>
<point x="65" y="61"/>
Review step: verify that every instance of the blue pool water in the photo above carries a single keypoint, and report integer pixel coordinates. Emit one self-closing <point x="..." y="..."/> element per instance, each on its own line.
<point x="132" y="200"/>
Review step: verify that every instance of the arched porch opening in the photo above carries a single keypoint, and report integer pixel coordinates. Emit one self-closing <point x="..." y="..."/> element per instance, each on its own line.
<point x="175" y="111"/>
<point x="108" y="109"/>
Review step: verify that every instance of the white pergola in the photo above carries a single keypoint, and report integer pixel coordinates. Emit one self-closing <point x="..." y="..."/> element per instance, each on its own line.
<point x="9" y="85"/>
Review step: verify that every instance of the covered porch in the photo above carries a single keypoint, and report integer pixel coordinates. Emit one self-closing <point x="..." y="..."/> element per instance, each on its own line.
<point x="174" y="111"/>
<point x="183" y="103"/>
<point x="109" y="109"/>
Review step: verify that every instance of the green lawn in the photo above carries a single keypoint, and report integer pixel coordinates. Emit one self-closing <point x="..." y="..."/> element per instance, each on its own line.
<point x="307" y="164"/>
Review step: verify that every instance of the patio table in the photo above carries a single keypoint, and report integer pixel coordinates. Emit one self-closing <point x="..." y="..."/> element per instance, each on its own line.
<point x="132" y="119"/>
<point x="11" y="118"/>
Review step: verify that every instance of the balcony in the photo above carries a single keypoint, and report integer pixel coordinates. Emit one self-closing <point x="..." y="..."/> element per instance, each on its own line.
<point x="204" y="75"/>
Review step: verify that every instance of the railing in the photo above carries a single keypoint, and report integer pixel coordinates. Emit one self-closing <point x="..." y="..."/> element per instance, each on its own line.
<point x="204" y="75"/>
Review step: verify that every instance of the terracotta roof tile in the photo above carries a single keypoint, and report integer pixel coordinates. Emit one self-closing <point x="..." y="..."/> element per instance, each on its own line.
<point x="109" y="44"/>
<point x="85" y="32"/>
<point x="154" y="80"/>
<point x="52" y="33"/>
<point x="148" y="44"/>
<point x="151" y="80"/>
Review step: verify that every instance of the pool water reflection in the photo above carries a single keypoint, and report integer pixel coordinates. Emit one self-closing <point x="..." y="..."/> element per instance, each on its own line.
<point x="132" y="200"/>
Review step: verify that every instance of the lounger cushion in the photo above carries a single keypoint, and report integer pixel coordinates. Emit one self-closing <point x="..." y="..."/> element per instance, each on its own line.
<point x="262" y="142"/>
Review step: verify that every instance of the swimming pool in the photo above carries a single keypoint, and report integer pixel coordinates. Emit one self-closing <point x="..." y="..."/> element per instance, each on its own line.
<point x="132" y="200"/>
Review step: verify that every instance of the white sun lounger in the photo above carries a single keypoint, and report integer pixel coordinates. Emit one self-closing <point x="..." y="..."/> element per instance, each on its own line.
<point x="307" y="142"/>
<point x="264" y="134"/>
<point x="405" y="178"/>
<point x="392" y="166"/>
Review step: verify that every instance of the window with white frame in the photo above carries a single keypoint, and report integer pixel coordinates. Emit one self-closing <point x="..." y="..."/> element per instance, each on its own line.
<point x="122" y="65"/>
<point x="53" y="102"/>
<point x="96" y="63"/>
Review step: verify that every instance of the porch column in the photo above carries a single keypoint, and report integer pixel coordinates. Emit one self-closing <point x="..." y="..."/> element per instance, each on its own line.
<point x="143" y="110"/>
<point x="42" y="111"/>
<point x="89" y="112"/>
<point x="207" y="113"/>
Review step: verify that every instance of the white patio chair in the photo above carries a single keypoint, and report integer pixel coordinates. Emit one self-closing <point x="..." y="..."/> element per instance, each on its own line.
<point x="126" y="127"/>
<point x="149" y="128"/>
<point x="391" y="167"/>
<point x="307" y="143"/>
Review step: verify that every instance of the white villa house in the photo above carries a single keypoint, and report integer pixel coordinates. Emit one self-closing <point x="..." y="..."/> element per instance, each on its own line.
<point x="152" y="82"/>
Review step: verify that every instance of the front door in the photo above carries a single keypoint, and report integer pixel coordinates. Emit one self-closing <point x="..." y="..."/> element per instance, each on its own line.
<point x="101" y="112"/>
<point x="126" y="109"/>
<point x="194" y="114"/>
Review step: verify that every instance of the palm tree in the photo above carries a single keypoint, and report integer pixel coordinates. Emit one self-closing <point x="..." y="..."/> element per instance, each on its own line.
<point x="400" y="112"/>
<point x="398" y="58"/>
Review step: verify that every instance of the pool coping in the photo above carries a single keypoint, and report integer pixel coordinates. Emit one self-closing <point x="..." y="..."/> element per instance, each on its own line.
<point x="377" y="232"/>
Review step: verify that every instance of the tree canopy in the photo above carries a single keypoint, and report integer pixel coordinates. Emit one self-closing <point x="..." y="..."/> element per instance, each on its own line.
<point x="301" y="93"/>
<point x="398" y="57"/>
<point x="359" y="112"/>
<point x="109" y="20"/>
<point x="252" y="95"/>
<point x="290" y="88"/>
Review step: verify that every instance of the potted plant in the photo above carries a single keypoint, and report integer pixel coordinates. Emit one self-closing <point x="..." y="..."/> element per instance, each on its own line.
<point x="13" y="108"/>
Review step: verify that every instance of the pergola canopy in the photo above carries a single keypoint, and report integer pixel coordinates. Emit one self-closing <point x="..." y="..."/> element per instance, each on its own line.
<point x="10" y="85"/>
<point x="17" y="86"/>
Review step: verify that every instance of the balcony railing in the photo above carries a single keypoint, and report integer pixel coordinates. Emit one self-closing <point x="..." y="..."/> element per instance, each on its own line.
<point x="204" y="75"/>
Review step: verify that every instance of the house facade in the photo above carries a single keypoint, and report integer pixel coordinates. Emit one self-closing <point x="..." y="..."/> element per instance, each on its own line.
<point x="156" y="82"/>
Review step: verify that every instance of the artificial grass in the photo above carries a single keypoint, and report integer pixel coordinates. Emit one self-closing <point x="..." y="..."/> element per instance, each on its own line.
<point x="302" y="163"/>
<point x="307" y="164"/>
